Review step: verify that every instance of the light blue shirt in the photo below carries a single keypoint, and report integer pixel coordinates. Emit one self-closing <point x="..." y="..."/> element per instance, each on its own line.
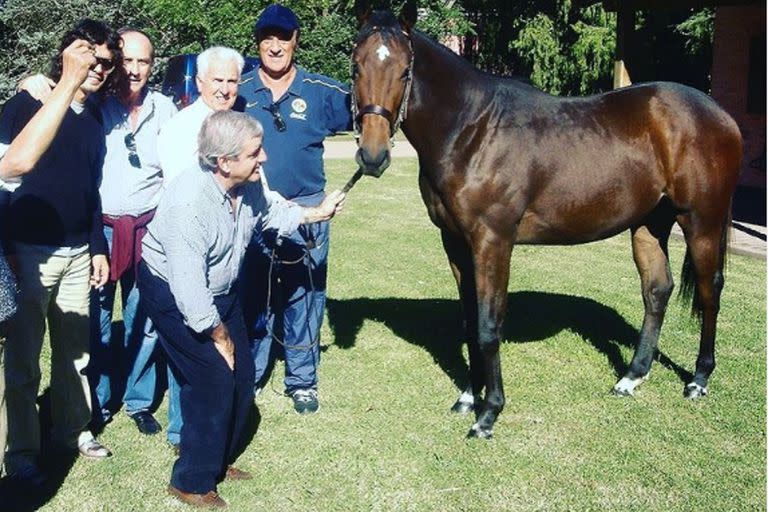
<point x="126" y="189"/>
<point x="196" y="242"/>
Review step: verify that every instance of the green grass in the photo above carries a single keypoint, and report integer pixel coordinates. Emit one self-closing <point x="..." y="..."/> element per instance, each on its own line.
<point x="384" y="439"/>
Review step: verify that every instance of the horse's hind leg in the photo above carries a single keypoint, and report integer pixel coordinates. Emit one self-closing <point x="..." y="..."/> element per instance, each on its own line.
<point x="460" y="259"/>
<point x="705" y="259"/>
<point x="649" y="248"/>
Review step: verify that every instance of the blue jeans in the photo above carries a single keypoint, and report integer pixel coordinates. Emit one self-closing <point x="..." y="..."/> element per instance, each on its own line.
<point x="297" y="303"/>
<point x="129" y="370"/>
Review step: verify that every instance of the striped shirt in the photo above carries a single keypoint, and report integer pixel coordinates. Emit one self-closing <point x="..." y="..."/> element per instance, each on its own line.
<point x="196" y="242"/>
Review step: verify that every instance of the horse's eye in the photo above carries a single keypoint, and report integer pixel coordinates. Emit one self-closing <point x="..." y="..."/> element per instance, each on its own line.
<point x="355" y="71"/>
<point x="406" y="75"/>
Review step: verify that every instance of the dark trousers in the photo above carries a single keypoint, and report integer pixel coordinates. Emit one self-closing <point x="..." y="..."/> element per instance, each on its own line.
<point x="215" y="402"/>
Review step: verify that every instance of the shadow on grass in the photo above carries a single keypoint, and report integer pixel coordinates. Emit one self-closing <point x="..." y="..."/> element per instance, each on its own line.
<point x="54" y="462"/>
<point x="435" y="325"/>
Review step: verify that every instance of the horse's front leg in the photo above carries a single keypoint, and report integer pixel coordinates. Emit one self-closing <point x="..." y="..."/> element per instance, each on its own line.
<point x="491" y="258"/>
<point x="460" y="258"/>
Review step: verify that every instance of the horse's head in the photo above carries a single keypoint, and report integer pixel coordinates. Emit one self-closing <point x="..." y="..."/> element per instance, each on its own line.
<point x="382" y="64"/>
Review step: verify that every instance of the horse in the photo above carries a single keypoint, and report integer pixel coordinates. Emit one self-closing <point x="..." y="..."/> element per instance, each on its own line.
<point x="503" y="163"/>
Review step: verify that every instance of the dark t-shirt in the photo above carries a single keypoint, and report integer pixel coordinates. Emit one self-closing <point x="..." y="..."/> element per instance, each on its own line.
<point x="58" y="201"/>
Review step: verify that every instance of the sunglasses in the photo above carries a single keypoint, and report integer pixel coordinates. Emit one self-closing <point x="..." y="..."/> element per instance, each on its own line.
<point x="106" y="64"/>
<point x="274" y="109"/>
<point x="130" y="145"/>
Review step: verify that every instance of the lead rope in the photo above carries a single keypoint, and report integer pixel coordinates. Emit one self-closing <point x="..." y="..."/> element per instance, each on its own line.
<point x="311" y="307"/>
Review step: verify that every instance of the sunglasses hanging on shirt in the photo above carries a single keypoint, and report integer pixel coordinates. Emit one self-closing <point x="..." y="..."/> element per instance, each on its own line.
<point x="274" y="109"/>
<point x="130" y="145"/>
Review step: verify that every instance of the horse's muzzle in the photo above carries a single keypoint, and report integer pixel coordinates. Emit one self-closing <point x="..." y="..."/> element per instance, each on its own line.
<point x="373" y="165"/>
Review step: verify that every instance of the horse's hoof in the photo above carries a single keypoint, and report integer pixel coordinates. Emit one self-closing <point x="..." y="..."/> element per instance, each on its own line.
<point x="617" y="391"/>
<point x="462" y="408"/>
<point x="626" y="386"/>
<point x="464" y="404"/>
<point x="694" y="391"/>
<point x="478" y="432"/>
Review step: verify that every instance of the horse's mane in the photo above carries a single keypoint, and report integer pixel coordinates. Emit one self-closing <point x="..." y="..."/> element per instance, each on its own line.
<point x="461" y="62"/>
<point x="386" y="24"/>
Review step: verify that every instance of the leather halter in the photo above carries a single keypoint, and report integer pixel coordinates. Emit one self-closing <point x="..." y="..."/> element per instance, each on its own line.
<point x="394" y="123"/>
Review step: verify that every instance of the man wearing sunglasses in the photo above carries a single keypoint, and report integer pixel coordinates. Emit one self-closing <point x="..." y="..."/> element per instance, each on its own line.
<point x="57" y="244"/>
<point x="298" y="110"/>
<point x="132" y="182"/>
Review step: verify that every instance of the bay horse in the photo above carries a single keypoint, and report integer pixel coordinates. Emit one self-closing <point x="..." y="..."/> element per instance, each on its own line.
<point x="503" y="163"/>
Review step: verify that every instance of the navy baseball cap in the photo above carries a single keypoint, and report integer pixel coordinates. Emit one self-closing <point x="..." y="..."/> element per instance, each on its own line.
<point x="276" y="16"/>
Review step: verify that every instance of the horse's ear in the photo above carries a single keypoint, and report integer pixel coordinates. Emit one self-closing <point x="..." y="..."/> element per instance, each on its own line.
<point x="408" y="15"/>
<point x="362" y="11"/>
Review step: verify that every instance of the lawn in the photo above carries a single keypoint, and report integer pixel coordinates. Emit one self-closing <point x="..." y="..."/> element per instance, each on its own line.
<point x="392" y="366"/>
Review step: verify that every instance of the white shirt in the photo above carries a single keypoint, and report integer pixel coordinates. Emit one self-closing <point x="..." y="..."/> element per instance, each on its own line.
<point x="177" y="143"/>
<point x="10" y="184"/>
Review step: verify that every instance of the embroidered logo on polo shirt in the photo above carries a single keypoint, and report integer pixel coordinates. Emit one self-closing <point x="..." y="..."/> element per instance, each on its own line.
<point x="298" y="106"/>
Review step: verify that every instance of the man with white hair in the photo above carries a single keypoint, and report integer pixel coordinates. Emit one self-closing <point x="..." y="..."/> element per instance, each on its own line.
<point x="192" y="255"/>
<point x="218" y="77"/>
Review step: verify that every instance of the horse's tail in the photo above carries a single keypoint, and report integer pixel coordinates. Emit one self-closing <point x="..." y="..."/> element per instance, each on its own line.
<point x="689" y="292"/>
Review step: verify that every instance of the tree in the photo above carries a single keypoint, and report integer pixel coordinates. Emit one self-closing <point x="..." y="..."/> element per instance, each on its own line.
<point x="563" y="50"/>
<point x="568" y="52"/>
<point x="30" y="32"/>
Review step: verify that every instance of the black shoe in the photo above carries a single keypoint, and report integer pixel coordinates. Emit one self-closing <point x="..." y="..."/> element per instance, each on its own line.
<point x="146" y="423"/>
<point x="305" y="401"/>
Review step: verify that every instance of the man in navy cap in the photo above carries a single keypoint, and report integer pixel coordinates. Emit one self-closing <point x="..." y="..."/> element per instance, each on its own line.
<point x="298" y="110"/>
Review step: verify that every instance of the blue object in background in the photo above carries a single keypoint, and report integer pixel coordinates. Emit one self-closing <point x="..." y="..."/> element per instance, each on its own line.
<point x="179" y="81"/>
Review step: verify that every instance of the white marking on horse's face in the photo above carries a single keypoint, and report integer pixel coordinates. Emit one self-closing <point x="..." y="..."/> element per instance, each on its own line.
<point x="383" y="52"/>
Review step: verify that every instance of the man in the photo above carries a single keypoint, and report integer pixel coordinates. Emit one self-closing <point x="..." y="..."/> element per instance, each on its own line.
<point x="192" y="255"/>
<point x="21" y="156"/>
<point x="58" y="245"/>
<point x="218" y="76"/>
<point x="298" y="110"/>
<point x="131" y="186"/>
<point x="130" y="190"/>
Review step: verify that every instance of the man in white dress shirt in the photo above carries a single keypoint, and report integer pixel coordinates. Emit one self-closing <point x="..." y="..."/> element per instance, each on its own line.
<point x="218" y="76"/>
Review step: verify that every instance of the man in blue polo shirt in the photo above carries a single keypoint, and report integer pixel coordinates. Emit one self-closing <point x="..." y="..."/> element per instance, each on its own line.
<point x="298" y="110"/>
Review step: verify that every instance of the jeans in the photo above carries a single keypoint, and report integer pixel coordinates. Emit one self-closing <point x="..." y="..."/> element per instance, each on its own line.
<point x="297" y="303"/>
<point x="130" y="370"/>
